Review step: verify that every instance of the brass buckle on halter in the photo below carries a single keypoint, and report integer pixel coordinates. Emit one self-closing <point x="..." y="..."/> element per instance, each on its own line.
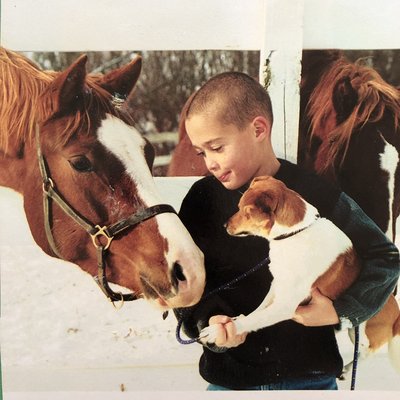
<point x="48" y="184"/>
<point x="102" y="231"/>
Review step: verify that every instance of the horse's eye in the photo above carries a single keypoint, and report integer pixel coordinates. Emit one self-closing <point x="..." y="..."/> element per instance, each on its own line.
<point x="81" y="164"/>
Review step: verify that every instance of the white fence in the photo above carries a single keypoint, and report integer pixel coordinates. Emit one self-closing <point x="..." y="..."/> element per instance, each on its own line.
<point x="281" y="26"/>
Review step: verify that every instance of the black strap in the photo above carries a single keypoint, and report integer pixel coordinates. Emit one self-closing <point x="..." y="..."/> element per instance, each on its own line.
<point x="101" y="280"/>
<point x="139" y="217"/>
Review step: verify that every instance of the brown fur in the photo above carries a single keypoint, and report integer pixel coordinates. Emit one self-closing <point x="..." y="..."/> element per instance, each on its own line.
<point x="265" y="202"/>
<point x="381" y="327"/>
<point x="374" y="97"/>
<point x="185" y="161"/>
<point x="68" y="108"/>
<point x="29" y="96"/>
<point x="342" y="273"/>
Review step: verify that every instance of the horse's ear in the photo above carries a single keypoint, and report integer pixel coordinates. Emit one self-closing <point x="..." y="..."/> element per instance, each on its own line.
<point x="344" y="98"/>
<point x="68" y="87"/>
<point x="121" y="81"/>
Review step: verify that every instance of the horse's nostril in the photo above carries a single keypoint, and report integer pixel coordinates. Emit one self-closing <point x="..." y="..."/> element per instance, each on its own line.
<point x="177" y="275"/>
<point x="178" y="272"/>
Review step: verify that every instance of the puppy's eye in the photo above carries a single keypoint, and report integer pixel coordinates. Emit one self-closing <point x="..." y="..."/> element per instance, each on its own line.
<point x="81" y="164"/>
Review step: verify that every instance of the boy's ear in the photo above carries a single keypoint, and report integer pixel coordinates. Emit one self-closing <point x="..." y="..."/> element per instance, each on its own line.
<point x="262" y="127"/>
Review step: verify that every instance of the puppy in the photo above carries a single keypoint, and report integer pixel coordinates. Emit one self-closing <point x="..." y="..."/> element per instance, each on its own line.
<point x="306" y="252"/>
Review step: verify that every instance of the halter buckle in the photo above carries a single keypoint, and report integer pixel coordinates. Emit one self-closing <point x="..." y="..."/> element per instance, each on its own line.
<point x="101" y="231"/>
<point x="47" y="184"/>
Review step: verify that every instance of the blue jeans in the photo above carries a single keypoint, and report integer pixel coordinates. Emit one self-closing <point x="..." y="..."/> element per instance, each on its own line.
<point x="317" y="382"/>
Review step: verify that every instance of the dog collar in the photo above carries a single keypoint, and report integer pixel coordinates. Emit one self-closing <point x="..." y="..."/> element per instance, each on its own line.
<point x="289" y="234"/>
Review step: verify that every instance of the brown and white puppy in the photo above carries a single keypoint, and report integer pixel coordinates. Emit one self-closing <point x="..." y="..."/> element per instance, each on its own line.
<point x="306" y="252"/>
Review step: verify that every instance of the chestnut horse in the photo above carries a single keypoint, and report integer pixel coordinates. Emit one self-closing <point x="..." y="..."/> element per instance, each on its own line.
<point x="69" y="147"/>
<point x="348" y="133"/>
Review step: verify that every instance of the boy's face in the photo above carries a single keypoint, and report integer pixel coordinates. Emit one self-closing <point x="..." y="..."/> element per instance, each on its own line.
<point x="231" y="154"/>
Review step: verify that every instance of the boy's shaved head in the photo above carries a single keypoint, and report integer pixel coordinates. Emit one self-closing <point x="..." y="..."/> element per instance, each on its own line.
<point x="233" y="97"/>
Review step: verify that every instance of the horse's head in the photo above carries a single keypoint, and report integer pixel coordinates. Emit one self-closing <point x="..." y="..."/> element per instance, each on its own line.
<point x="349" y="99"/>
<point x="100" y="165"/>
<point x="351" y="120"/>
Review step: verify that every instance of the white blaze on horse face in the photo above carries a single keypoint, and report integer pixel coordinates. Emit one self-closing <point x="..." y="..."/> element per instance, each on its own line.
<point x="126" y="143"/>
<point x="389" y="161"/>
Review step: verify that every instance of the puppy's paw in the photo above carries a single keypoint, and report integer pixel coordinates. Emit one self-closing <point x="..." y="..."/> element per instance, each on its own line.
<point x="240" y="324"/>
<point x="208" y="334"/>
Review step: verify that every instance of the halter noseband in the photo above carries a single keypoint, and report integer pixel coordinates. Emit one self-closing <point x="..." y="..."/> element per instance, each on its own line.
<point x="95" y="231"/>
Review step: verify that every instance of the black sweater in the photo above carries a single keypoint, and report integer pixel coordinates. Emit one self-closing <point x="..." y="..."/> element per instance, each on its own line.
<point x="286" y="349"/>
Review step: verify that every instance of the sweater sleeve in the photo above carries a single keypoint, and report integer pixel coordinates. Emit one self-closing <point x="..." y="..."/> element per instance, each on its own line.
<point x="379" y="259"/>
<point x="197" y="218"/>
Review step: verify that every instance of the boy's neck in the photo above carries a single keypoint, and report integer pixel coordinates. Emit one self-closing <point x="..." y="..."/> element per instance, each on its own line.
<point x="270" y="168"/>
<point x="267" y="170"/>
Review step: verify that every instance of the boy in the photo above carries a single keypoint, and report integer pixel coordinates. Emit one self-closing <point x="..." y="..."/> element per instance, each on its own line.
<point x="229" y="122"/>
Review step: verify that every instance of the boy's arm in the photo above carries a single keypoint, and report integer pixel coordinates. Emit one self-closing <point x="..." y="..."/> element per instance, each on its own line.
<point x="196" y="218"/>
<point x="380" y="264"/>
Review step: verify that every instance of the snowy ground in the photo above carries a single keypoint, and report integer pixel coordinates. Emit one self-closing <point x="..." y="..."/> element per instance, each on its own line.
<point x="61" y="338"/>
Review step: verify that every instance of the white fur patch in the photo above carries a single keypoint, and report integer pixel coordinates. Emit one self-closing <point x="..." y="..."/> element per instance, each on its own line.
<point x="389" y="160"/>
<point x="126" y="143"/>
<point x="299" y="260"/>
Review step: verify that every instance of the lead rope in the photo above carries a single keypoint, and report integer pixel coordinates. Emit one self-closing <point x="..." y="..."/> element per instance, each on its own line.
<point x="266" y="261"/>
<point x="355" y="358"/>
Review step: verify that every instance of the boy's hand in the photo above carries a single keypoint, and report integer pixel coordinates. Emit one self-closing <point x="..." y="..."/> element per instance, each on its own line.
<point x="319" y="312"/>
<point x="225" y="332"/>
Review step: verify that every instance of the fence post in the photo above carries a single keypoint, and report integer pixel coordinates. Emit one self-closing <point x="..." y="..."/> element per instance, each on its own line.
<point x="282" y="49"/>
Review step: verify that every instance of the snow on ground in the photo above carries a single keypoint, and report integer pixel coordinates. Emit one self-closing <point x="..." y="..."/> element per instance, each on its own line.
<point x="60" y="335"/>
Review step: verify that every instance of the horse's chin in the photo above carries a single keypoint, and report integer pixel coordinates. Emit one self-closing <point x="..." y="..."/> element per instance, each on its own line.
<point x="162" y="304"/>
<point x="174" y="302"/>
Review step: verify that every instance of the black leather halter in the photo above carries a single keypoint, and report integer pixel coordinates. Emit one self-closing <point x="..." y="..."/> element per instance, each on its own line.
<point x="97" y="232"/>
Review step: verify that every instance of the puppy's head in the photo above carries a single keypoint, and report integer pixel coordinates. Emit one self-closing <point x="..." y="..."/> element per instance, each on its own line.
<point x="265" y="204"/>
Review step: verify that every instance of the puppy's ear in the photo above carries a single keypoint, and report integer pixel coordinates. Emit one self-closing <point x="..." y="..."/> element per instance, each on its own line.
<point x="292" y="207"/>
<point x="266" y="202"/>
<point x="265" y="206"/>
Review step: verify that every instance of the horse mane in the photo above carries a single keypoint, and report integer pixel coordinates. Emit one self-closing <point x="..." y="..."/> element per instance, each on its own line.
<point x="375" y="97"/>
<point x="26" y="99"/>
<point x="22" y="82"/>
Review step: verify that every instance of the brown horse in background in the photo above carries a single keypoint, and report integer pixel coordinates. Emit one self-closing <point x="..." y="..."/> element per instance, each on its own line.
<point x="348" y="133"/>
<point x="70" y="148"/>
<point x="185" y="161"/>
